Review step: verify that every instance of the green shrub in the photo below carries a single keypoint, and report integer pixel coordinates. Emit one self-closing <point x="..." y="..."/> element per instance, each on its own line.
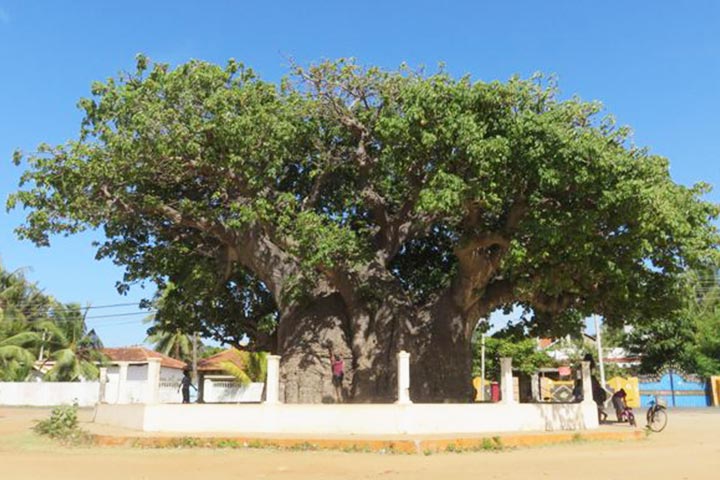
<point x="62" y="425"/>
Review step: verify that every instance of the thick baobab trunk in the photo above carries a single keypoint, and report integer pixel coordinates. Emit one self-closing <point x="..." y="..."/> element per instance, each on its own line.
<point x="441" y="366"/>
<point x="304" y="336"/>
<point x="369" y="354"/>
<point x="368" y="332"/>
<point x="376" y="340"/>
<point x="368" y="337"/>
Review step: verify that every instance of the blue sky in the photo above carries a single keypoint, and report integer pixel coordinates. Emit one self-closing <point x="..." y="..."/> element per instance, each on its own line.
<point x="654" y="64"/>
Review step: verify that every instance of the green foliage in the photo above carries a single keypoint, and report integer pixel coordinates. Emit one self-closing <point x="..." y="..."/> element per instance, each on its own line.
<point x="35" y="326"/>
<point x="199" y="303"/>
<point x="245" y="196"/>
<point x="63" y="425"/>
<point x="254" y="368"/>
<point x="526" y="356"/>
<point x="705" y="311"/>
<point x="688" y="339"/>
<point x="173" y="342"/>
<point x="209" y="351"/>
<point x="75" y="351"/>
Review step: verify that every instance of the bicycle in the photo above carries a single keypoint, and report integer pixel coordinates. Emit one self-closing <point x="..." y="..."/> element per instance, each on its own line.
<point x="622" y="411"/>
<point x="657" y="416"/>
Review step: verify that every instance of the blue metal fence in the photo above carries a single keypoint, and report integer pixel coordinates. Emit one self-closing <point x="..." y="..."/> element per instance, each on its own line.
<point x="675" y="389"/>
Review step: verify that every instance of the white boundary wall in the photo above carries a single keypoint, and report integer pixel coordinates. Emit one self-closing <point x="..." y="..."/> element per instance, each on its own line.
<point x="87" y="394"/>
<point x="45" y="394"/>
<point x="230" y="391"/>
<point x="134" y="387"/>
<point x="385" y="419"/>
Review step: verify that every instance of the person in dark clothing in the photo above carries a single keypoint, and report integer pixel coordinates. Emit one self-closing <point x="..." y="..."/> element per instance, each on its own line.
<point x="185" y="385"/>
<point x="599" y="394"/>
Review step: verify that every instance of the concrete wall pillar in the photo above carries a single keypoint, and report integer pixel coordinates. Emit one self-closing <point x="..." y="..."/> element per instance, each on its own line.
<point x="103" y="385"/>
<point x="122" y="383"/>
<point x="272" y="385"/>
<point x="535" y="387"/>
<point x="506" y="380"/>
<point x="403" y="361"/>
<point x="586" y="383"/>
<point x="152" y="388"/>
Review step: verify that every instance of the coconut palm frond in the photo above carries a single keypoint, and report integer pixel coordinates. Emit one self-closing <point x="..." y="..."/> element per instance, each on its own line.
<point x="89" y="370"/>
<point x="50" y="328"/>
<point x="240" y="375"/>
<point x="14" y="371"/>
<point x="66" y="368"/>
<point x="16" y="353"/>
<point x="22" y="339"/>
<point x="257" y="366"/>
<point x="173" y="343"/>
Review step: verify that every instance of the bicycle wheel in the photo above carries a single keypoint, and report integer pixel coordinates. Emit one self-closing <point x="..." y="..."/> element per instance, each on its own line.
<point x="657" y="420"/>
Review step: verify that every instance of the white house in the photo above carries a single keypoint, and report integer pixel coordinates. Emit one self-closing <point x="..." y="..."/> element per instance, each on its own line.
<point x="130" y="369"/>
<point x="131" y="375"/>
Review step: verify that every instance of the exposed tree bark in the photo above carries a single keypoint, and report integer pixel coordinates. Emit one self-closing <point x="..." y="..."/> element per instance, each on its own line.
<point x="440" y="369"/>
<point x="304" y="334"/>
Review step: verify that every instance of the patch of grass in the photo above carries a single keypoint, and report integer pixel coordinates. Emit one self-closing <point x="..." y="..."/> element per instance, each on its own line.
<point x="303" y="447"/>
<point x="355" y="448"/>
<point x="227" y="443"/>
<point x="493" y="444"/>
<point x="187" y="442"/>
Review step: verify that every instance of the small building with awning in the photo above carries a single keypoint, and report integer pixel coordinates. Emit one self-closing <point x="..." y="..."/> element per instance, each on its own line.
<point x="217" y="385"/>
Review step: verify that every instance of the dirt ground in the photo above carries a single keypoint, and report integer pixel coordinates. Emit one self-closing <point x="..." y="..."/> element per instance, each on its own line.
<point x="688" y="449"/>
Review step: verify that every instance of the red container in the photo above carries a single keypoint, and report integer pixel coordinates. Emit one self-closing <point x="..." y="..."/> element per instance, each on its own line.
<point x="495" y="392"/>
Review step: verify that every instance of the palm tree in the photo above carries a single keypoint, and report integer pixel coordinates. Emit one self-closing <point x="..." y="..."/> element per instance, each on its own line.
<point x="254" y="368"/>
<point x="174" y="343"/>
<point x="16" y="359"/>
<point x="32" y="322"/>
<point x="75" y="351"/>
<point x="19" y="301"/>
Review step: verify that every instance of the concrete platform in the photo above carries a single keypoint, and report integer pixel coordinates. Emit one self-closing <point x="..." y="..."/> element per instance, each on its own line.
<point x="388" y="420"/>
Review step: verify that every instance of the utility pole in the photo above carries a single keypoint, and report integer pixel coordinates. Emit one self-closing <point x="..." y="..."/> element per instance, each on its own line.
<point x="194" y="356"/>
<point x="42" y="346"/>
<point x="599" y="349"/>
<point x="482" y="367"/>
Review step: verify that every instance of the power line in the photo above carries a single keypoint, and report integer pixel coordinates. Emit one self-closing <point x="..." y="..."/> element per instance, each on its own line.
<point x="44" y="307"/>
<point x="119" y="324"/>
<point x="96" y="317"/>
<point x="121" y="315"/>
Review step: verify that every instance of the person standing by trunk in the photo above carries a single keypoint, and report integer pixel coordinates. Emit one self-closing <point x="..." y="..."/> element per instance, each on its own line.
<point x="338" y="374"/>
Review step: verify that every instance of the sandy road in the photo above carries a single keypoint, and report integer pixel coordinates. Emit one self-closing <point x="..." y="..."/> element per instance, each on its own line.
<point x="688" y="449"/>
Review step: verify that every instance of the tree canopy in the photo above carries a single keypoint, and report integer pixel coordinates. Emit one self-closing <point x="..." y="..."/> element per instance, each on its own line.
<point x="399" y="206"/>
<point x="689" y="338"/>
